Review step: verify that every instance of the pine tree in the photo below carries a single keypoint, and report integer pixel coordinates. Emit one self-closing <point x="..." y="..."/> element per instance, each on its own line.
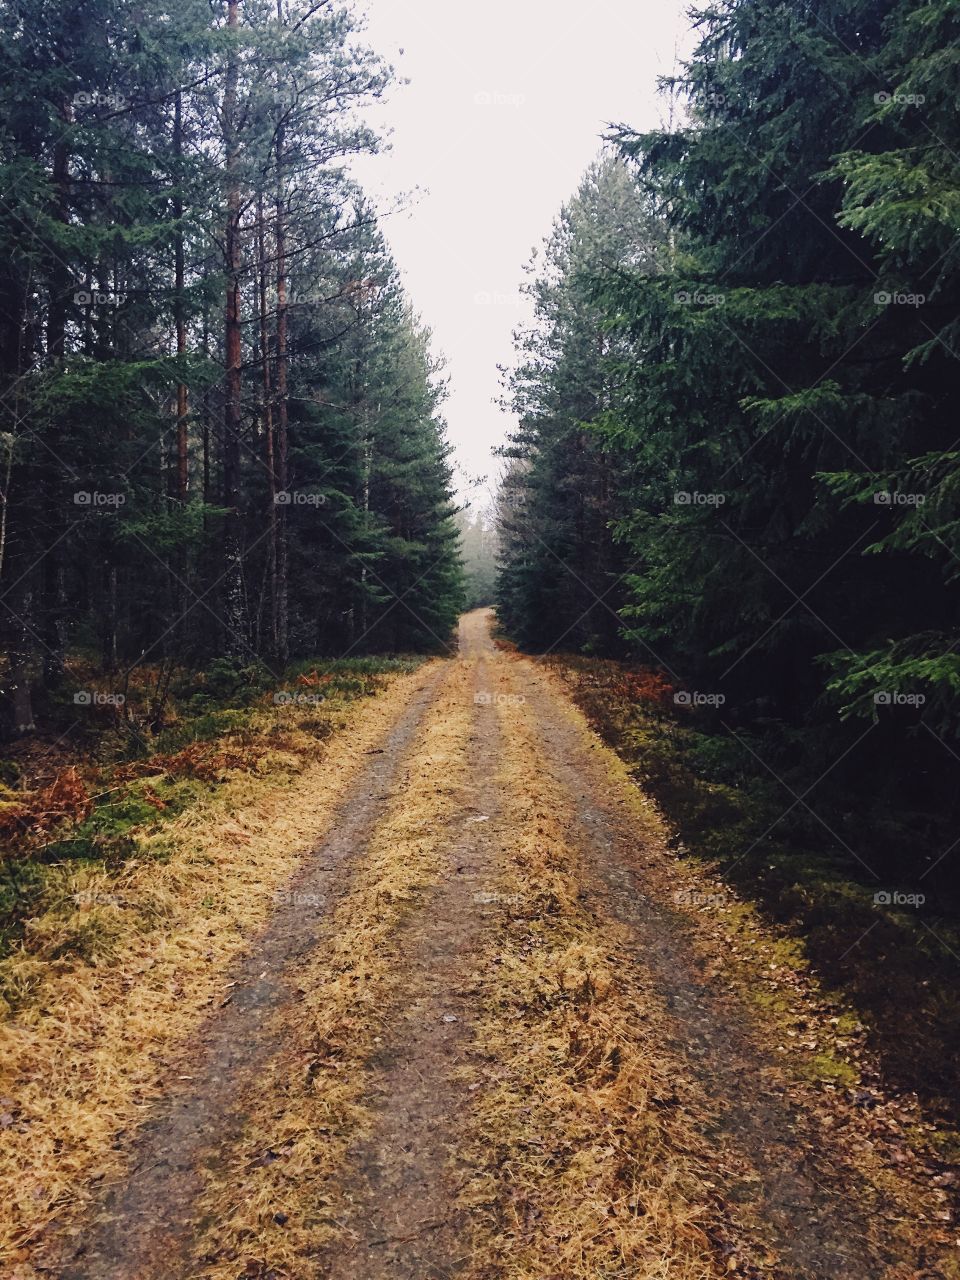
<point x="177" y="185"/>
<point x="787" y="403"/>
<point x="562" y="574"/>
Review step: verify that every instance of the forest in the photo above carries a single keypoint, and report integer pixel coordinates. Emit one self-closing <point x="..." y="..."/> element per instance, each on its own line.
<point x="548" y="873"/>
<point x="222" y="432"/>
<point x="737" y="462"/>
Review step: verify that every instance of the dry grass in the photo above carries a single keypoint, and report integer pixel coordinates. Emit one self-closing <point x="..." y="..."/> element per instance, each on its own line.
<point x="275" y="1199"/>
<point x="583" y="1138"/>
<point x="587" y="1161"/>
<point x="89" y="1051"/>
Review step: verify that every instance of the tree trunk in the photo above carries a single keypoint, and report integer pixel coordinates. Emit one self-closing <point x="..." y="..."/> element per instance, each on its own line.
<point x="233" y="596"/>
<point x="179" y="305"/>
<point x="14" y="638"/>
<point x="22" y="668"/>
<point x="282" y="478"/>
<point x="52" y="578"/>
<point x="268" y="429"/>
<point x="109" y="652"/>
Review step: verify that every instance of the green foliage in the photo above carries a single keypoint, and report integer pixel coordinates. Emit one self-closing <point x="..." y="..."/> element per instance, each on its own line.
<point x="307" y="511"/>
<point x="478" y="546"/>
<point x="808" y="397"/>
<point x="228" y="681"/>
<point x="561" y="574"/>
<point x="780" y="399"/>
<point x="107" y="836"/>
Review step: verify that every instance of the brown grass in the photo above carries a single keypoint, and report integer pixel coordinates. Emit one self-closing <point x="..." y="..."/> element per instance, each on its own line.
<point x="275" y="1200"/>
<point x="587" y="1160"/>
<point x="88" y="1053"/>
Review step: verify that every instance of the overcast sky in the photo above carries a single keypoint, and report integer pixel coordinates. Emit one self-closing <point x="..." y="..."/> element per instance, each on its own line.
<point x="505" y="108"/>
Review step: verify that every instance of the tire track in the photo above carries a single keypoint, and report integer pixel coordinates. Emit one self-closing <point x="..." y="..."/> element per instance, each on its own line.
<point x="816" y="1212"/>
<point x="403" y="1221"/>
<point x="144" y="1223"/>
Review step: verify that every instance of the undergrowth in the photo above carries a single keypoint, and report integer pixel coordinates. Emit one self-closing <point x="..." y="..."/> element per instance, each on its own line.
<point x="95" y="794"/>
<point x="896" y="962"/>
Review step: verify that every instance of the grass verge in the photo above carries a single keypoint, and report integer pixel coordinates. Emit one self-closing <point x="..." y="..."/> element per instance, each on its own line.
<point x="894" y="968"/>
<point x="88" y="809"/>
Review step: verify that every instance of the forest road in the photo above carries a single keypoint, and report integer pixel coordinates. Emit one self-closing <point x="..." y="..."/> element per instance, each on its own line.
<point x="501" y="1031"/>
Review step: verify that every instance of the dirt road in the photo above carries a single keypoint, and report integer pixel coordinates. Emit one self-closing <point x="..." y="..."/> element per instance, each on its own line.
<point x="485" y="1034"/>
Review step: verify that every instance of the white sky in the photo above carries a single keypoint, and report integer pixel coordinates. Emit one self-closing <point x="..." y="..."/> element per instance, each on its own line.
<point x="505" y="108"/>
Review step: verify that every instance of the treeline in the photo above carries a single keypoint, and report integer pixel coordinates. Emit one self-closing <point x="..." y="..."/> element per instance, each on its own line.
<point x="565" y="489"/>
<point x="478" y="549"/>
<point x="221" y="427"/>
<point x="738" y="456"/>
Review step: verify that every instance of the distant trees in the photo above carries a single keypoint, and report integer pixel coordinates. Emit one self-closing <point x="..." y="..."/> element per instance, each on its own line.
<point x="221" y="427"/>
<point x="564" y="486"/>
<point x="478" y="547"/>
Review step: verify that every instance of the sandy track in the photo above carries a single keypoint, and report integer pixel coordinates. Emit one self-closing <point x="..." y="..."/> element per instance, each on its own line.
<point x="402" y="1185"/>
<point x="522" y="1018"/>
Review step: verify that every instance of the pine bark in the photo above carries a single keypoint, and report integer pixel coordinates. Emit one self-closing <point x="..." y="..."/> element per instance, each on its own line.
<point x="233" y="588"/>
